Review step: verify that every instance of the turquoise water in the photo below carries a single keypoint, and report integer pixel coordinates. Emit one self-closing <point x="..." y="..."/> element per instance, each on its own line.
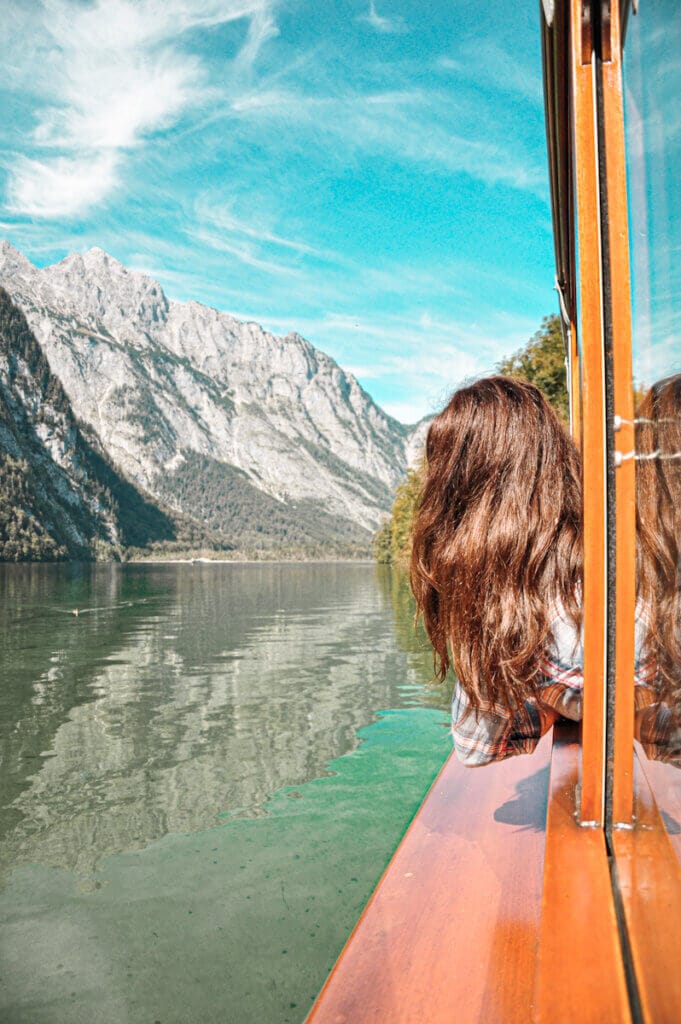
<point x="203" y="778"/>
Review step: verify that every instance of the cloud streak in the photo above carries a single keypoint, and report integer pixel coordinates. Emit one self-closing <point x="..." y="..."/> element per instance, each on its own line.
<point x="419" y="126"/>
<point x="489" y="65"/>
<point x="381" y="23"/>
<point x="113" y="74"/>
<point x="222" y="218"/>
<point x="61" y="186"/>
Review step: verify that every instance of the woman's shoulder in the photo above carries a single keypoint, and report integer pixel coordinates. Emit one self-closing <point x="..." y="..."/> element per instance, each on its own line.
<point x="565" y="652"/>
<point x="566" y="648"/>
<point x="562" y="667"/>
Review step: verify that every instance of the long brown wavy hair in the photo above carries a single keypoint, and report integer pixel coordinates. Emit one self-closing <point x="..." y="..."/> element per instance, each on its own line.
<point x="658" y="525"/>
<point x="497" y="537"/>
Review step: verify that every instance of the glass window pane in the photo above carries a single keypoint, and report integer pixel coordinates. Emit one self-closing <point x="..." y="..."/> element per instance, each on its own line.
<point x="652" y="80"/>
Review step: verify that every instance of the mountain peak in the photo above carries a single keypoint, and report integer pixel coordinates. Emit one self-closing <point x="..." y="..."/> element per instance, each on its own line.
<point x="101" y="263"/>
<point x="98" y="255"/>
<point x="7" y="247"/>
<point x="94" y="260"/>
<point x="92" y="287"/>
<point x="11" y="257"/>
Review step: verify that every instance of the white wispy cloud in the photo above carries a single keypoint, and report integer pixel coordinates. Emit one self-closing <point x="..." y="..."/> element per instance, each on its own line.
<point x="252" y="239"/>
<point x="261" y="29"/>
<point x="429" y="344"/>
<point x="486" y="63"/>
<point x="61" y="186"/>
<point x="110" y="75"/>
<point x="380" y="22"/>
<point x="405" y="411"/>
<point x="416" y="125"/>
<point x="221" y="217"/>
<point x="242" y="250"/>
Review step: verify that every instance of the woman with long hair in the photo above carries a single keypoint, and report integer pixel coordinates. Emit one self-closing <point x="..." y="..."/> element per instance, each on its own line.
<point x="658" y="527"/>
<point x="496" y="566"/>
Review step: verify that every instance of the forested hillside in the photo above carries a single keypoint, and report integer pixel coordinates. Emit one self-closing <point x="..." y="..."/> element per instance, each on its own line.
<point x="223" y="498"/>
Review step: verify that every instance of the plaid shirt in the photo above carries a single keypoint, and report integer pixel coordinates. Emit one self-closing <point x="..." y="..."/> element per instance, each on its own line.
<point x="494" y="733"/>
<point x="657" y="726"/>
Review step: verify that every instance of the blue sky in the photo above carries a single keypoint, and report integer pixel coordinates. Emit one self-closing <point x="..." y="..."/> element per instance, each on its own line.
<point x="369" y="173"/>
<point x="652" y="86"/>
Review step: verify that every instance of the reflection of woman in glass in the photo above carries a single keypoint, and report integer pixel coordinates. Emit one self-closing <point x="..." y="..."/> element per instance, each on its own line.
<point x="658" y="514"/>
<point x="496" y="566"/>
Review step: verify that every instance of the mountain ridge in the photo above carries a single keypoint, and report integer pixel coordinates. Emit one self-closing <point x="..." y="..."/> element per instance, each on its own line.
<point x="173" y="389"/>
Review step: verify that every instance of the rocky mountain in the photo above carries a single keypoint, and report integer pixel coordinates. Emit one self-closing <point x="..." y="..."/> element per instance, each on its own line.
<point x="416" y="442"/>
<point x="59" y="494"/>
<point x="262" y="437"/>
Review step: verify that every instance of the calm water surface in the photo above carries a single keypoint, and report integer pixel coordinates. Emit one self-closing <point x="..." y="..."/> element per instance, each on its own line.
<point x="203" y="775"/>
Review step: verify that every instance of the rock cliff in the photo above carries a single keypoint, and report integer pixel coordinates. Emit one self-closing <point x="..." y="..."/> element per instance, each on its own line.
<point x="264" y="438"/>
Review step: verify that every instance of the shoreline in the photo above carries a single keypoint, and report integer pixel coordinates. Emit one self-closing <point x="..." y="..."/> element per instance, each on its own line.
<point x="239" y="561"/>
<point x="204" y="561"/>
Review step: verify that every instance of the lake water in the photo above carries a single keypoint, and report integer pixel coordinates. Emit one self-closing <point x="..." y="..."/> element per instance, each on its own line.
<point x="203" y="775"/>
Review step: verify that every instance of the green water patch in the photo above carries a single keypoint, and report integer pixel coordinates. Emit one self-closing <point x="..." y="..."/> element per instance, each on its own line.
<point x="235" y="924"/>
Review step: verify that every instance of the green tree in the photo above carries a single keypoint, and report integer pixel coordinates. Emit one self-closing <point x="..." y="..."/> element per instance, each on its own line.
<point x="383" y="551"/>
<point x="542" y="362"/>
<point x="392" y="542"/>
<point x="404" y="509"/>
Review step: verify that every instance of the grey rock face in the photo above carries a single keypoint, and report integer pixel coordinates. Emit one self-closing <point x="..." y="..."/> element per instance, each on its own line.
<point x="416" y="442"/>
<point x="60" y="495"/>
<point x="160" y="381"/>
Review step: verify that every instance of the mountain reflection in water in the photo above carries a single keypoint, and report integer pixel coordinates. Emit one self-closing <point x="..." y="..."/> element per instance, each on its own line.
<point x="181" y="693"/>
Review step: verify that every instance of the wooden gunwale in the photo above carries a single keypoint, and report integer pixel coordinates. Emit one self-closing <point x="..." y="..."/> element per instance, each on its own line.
<point x="452" y="929"/>
<point x="665" y="784"/>
<point x="580" y="974"/>
<point x="649" y="882"/>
